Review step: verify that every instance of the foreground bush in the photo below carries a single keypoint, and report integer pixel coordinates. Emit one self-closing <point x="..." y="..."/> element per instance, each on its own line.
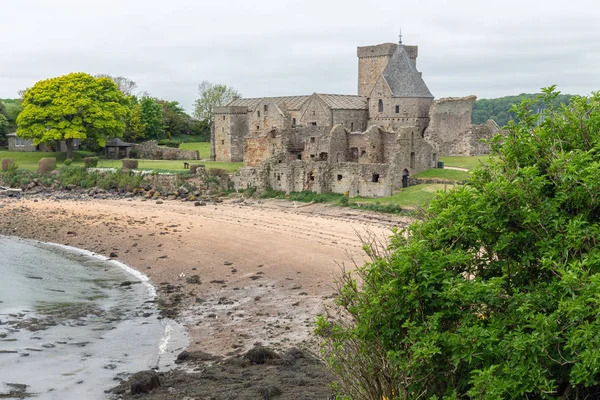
<point x="129" y="163"/>
<point x="90" y="162"/>
<point x="46" y="164"/>
<point x="6" y="163"/>
<point x="494" y="294"/>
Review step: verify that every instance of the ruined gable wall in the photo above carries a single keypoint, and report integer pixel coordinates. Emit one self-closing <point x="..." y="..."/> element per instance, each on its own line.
<point x="315" y="111"/>
<point x="450" y="129"/>
<point x="266" y="116"/>
<point x="338" y="144"/>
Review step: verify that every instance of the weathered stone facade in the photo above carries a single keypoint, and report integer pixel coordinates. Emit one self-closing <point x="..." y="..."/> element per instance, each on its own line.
<point x="150" y="150"/>
<point x="15" y="143"/>
<point x="368" y="145"/>
<point x="450" y="129"/>
<point x="373" y="163"/>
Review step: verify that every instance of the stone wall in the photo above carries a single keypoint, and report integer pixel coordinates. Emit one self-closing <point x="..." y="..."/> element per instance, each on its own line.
<point x="27" y="145"/>
<point x="314" y="112"/>
<point x="372" y="60"/>
<point x="152" y="151"/>
<point x="450" y="129"/>
<point x="231" y="127"/>
<point x="352" y="120"/>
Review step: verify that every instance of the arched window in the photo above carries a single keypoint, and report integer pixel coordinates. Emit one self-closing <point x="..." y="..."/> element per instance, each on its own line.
<point x="380" y="105"/>
<point x="258" y="114"/>
<point x="293" y="122"/>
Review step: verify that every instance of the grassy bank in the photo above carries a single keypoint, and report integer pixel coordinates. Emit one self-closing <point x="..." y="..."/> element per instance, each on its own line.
<point x="29" y="161"/>
<point x="469" y="163"/>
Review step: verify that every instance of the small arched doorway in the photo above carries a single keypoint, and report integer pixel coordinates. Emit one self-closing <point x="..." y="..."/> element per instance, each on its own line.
<point x="405" y="176"/>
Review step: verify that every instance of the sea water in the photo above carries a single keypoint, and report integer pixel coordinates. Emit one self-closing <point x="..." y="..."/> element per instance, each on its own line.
<point x="73" y="323"/>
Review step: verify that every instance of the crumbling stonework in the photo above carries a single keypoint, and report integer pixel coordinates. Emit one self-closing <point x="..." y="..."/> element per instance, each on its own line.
<point x="150" y="150"/>
<point x="368" y="145"/>
<point x="373" y="163"/>
<point x="450" y="129"/>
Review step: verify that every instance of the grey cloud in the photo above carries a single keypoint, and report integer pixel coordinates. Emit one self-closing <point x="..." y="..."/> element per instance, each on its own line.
<point x="267" y="48"/>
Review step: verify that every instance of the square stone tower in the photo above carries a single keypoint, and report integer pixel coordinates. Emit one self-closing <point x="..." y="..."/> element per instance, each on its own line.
<point x="372" y="61"/>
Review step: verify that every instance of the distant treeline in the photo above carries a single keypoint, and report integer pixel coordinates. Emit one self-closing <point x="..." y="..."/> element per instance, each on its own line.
<point x="498" y="109"/>
<point x="10" y="108"/>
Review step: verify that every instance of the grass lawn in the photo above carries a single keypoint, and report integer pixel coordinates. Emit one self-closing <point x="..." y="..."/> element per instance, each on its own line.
<point x="202" y="147"/>
<point x="464" y="162"/>
<point x="172" y="165"/>
<point x="29" y="161"/>
<point x="448" y="174"/>
<point x="412" y="196"/>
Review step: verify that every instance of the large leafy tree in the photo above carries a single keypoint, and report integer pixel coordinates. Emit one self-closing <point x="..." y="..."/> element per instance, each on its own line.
<point x="151" y="116"/>
<point x="211" y="96"/>
<point x="174" y="118"/>
<point x="136" y="128"/>
<point x="494" y="293"/>
<point x="74" y="106"/>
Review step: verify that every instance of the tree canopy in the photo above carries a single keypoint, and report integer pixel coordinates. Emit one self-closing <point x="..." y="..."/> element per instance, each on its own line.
<point x="499" y="109"/>
<point x="74" y="106"/>
<point x="211" y="96"/>
<point x="494" y="293"/>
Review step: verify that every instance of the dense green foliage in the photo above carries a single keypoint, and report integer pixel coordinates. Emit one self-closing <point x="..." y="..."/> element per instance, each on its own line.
<point x="151" y="117"/>
<point x="499" y="109"/>
<point x="494" y="293"/>
<point x="11" y="108"/>
<point x="74" y="106"/>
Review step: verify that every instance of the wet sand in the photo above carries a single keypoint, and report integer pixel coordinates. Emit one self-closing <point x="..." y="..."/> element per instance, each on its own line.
<point x="235" y="273"/>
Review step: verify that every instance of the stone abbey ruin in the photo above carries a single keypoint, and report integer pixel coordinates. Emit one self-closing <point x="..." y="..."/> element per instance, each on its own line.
<point x="367" y="144"/>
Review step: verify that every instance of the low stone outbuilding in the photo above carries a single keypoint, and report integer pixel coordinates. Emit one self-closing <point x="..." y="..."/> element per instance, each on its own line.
<point x="117" y="149"/>
<point x="17" y="143"/>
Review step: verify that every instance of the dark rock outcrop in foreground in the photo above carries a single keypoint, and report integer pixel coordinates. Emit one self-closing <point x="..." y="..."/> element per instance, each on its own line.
<point x="261" y="373"/>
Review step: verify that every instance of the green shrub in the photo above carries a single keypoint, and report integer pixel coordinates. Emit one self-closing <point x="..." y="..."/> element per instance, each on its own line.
<point x="68" y="162"/>
<point x="170" y="143"/>
<point x="494" y="294"/>
<point x="378" y="207"/>
<point x="90" y="162"/>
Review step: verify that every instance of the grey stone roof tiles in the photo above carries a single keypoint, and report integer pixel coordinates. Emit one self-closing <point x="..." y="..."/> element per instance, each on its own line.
<point x="403" y="78"/>
<point x="344" y="101"/>
<point x="291" y="102"/>
<point x="334" y="101"/>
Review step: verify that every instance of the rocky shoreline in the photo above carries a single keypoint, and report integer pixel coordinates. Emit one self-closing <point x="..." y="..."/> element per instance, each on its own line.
<point x="239" y="274"/>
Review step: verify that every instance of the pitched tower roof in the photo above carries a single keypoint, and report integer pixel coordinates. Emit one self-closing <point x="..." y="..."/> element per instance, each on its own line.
<point x="403" y="78"/>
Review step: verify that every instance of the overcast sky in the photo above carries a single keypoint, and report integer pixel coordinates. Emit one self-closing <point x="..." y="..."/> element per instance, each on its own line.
<point x="489" y="48"/>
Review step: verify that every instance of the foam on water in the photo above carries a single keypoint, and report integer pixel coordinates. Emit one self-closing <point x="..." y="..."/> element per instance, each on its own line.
<point x="67" y="327"/>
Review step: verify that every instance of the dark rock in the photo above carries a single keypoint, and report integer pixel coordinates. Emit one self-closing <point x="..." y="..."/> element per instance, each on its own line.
<point x="159" y="202"/>
<point x="270" y="391"/>
<point x="194" y="279"/>
<point x="114" y="255"/>
<point x="144" y="382"/>
<point x="187" y="356"/>
<point x="260" y="354"/>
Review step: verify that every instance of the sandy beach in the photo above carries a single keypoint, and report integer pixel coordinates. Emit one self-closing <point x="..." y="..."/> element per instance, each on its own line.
<point x="234" y="273"/>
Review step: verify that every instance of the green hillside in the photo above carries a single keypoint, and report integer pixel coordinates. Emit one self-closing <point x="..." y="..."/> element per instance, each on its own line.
<point x="497" y="109"/>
